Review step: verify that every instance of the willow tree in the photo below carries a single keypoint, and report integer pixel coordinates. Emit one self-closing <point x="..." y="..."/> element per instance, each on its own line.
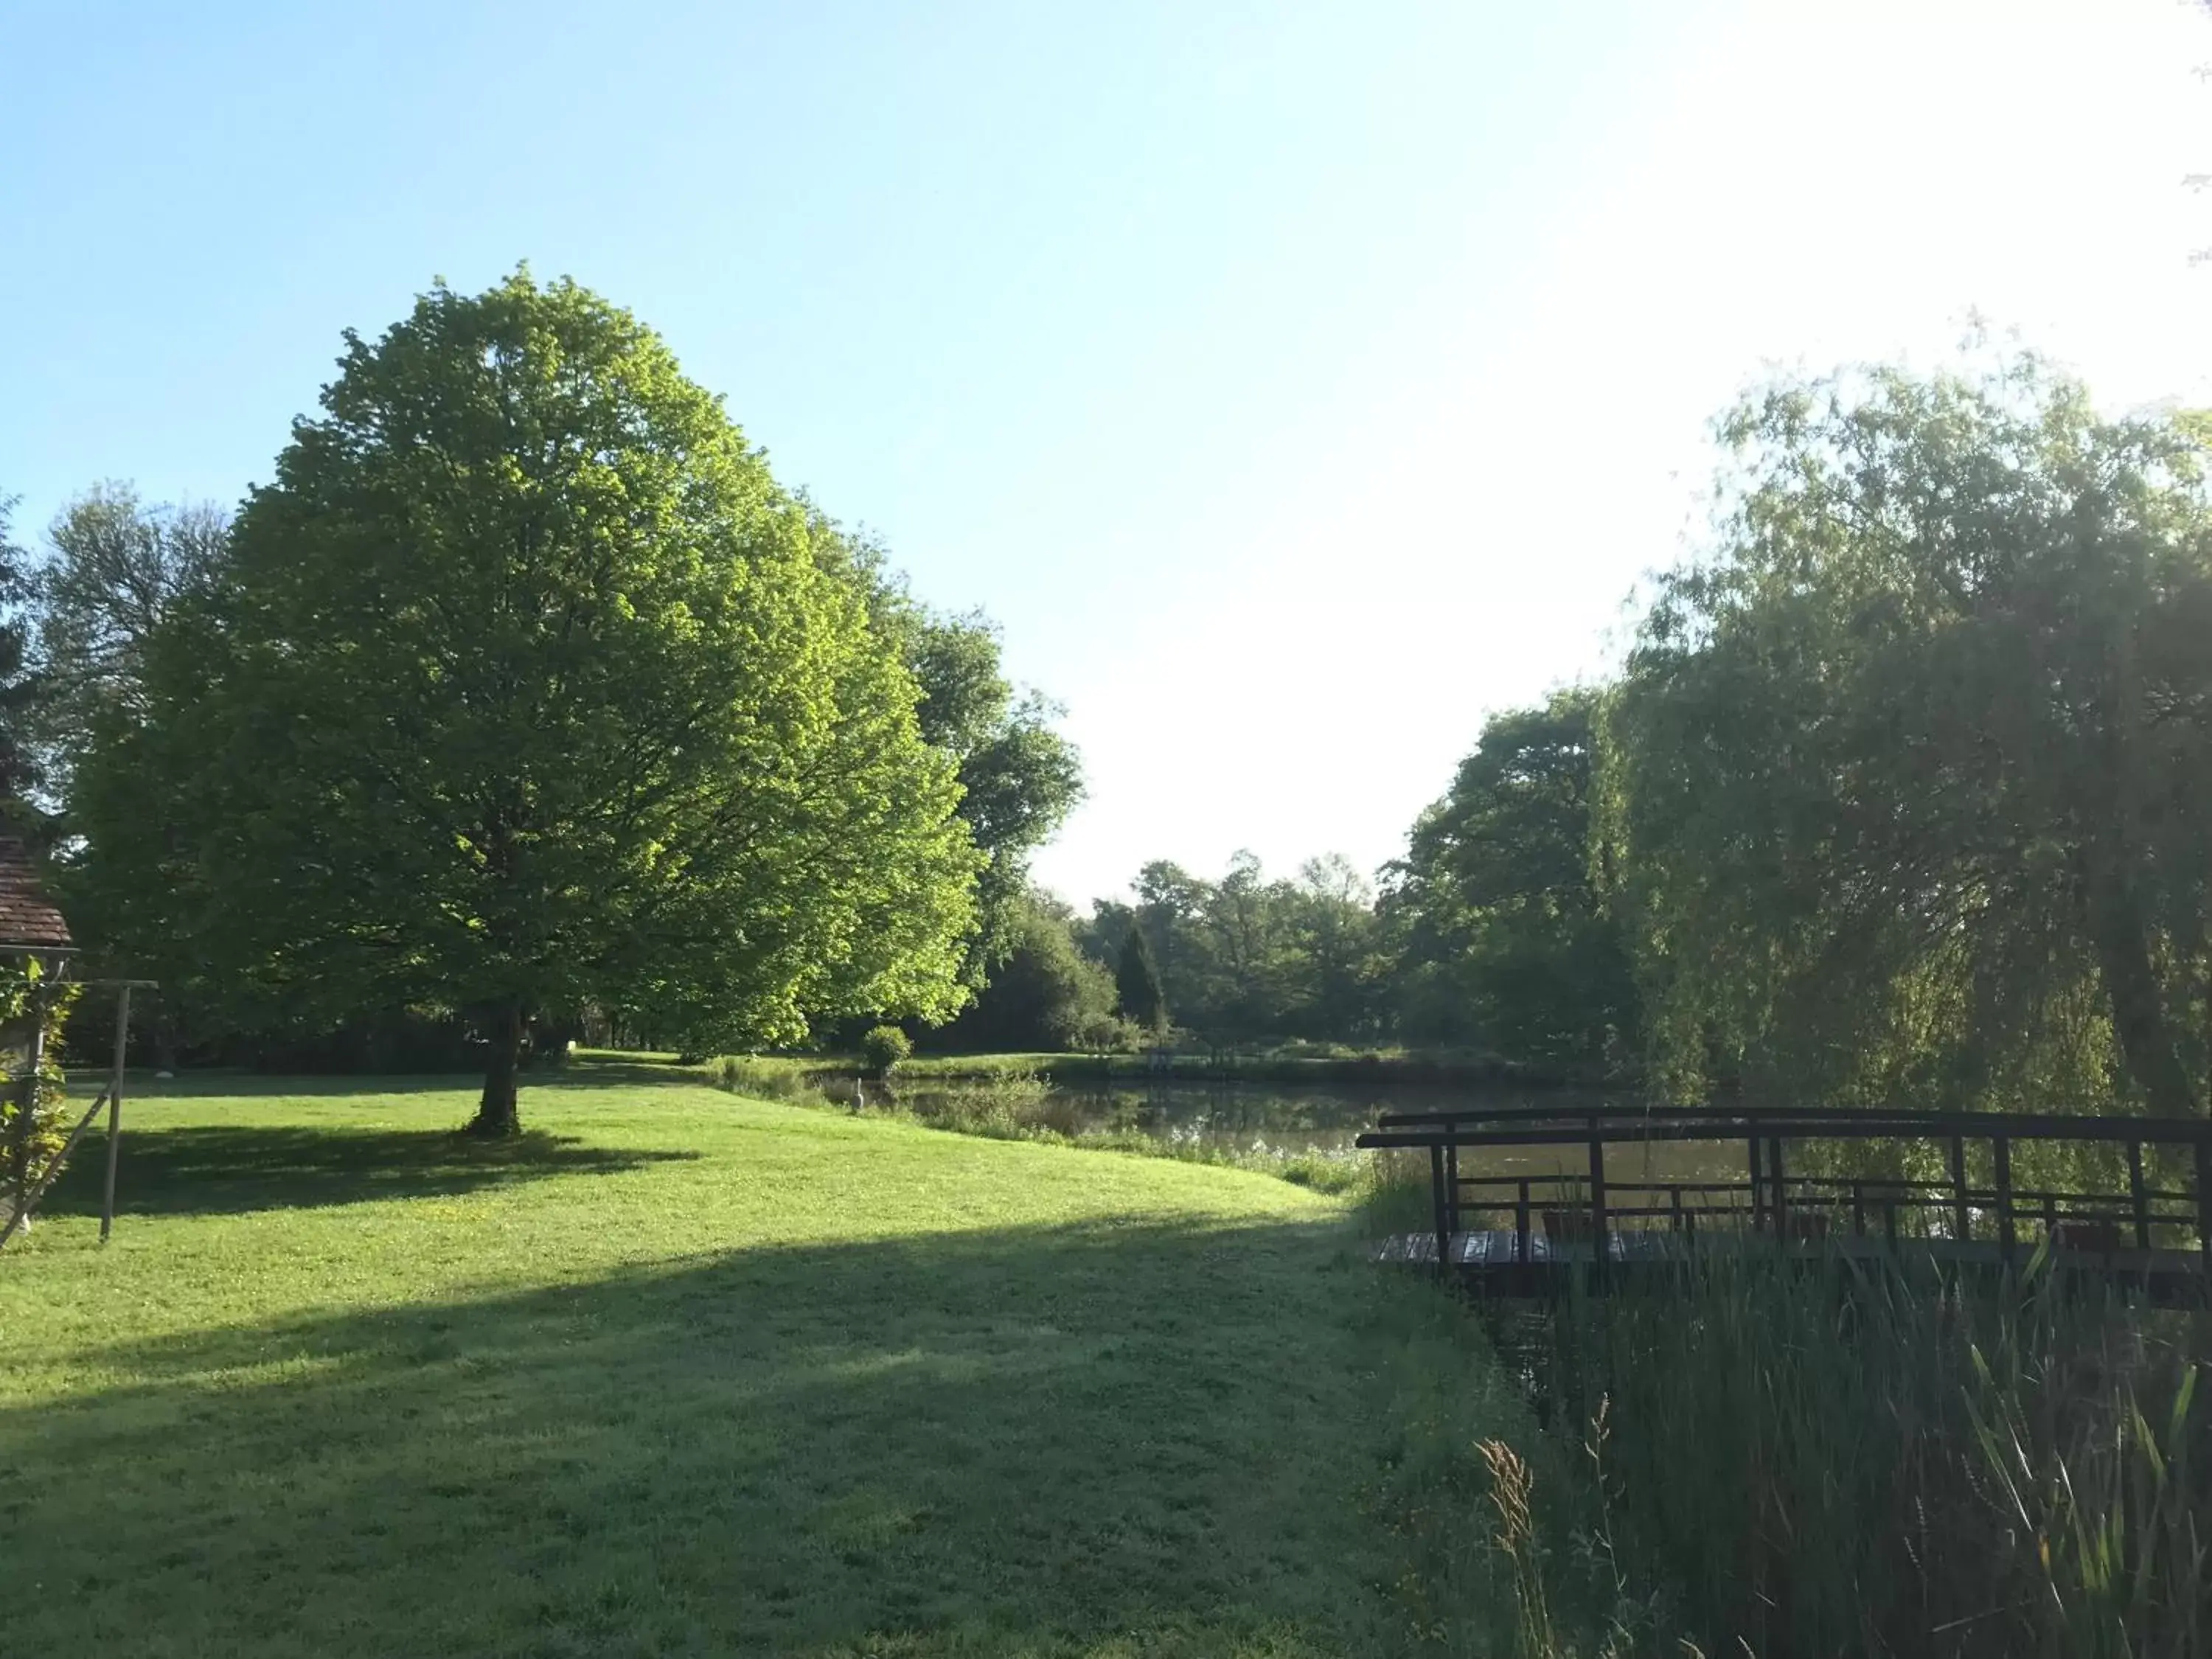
<point x="1910" y="780"/>
<point x="522" y="686"/>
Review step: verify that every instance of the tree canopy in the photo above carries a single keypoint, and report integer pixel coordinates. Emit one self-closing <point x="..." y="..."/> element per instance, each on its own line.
<point x="1502" y="936"/>
<point x="525" y="685"/>
<point x="1912" y="783"/>
<point x="20" y="689"/>
<point x="116" y="568"/>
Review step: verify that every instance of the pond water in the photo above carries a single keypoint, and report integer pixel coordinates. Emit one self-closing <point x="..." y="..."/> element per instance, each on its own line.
<point x="1326" y="1117"/>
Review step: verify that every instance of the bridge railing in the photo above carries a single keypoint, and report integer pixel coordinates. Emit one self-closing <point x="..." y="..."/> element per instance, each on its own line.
<point x="1773" y="1199"/>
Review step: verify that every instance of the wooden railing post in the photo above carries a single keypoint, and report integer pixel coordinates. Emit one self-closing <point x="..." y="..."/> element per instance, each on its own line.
<point x="1451" y="1184"/>
<point x="1961" y="1219"/>
<point x="1521" y="1223"/>
<point x="115" y="1111"/>
<point x="2138" y="1195"/>
<point x="1758" y="1205"/>
<point x="1597" y="1198"/>
<point x="1858" y="1209"/>
<point x="1777" y="1202"/>
<point x="1436" y="1201"/>
<point x="2001" y="1157"/>
<point x="2205" y="1199"/>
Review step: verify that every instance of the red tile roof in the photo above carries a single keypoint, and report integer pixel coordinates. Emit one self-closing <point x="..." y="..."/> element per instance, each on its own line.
<point x="25" y="918"/>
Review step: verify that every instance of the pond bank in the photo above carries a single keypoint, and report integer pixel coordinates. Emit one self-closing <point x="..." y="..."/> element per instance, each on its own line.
<point x="1234" y="1065"/>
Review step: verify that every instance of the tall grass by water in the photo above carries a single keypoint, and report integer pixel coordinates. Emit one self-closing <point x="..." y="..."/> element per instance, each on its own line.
<point x="1017" y="1103"/>
<point x="1851" y="1459"/>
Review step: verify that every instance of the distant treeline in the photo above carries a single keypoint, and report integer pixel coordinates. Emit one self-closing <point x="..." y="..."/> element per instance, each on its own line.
<point x="1904" y="793"/>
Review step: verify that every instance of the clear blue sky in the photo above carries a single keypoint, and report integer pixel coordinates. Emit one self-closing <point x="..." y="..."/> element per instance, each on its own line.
<point x="1295" y="383"/>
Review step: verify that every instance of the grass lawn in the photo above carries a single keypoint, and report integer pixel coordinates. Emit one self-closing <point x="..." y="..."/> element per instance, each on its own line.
<point x="681" y="1373"/>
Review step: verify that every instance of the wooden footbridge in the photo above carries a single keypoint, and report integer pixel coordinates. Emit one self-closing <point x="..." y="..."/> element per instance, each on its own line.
<point x="1817" y="1183"/>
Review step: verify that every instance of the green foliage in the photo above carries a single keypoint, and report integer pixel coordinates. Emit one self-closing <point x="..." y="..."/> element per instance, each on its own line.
<point x="1911" y="791"/>
<point x="884" y="1048"/>
<point x="22" y="694"/>
<point x="31" y="1137"/>
<point x="524" y="687"/>
<point x="1018" y="777"/>
<point x="759" y="1077"/>
<point x="1864" y="1464"/>
<point x="1137" y="991"/>
<point x="1246" y="959"/>
<point x="1043" y="994"/>
<point x="1503" y="937"/>
<point x="119" y="567"/>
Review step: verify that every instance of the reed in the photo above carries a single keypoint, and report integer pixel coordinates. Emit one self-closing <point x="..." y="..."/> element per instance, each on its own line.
<point x="1877" y="1460"/>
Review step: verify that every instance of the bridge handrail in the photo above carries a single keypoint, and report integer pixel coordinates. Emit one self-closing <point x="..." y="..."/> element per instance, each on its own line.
<point x="1767" y="1129"/>
<point x="1539" y="1125"/>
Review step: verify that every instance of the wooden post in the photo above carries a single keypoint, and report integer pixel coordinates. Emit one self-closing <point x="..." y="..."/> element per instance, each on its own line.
<point x="1961" y="1221"/>
<point x="37" y="1188"/>
<point x="1889" y="1221"/>
<point x="2205" y="1199"/>
<point x="2138" y="1197"/>
<point x="1451" y="1181"/>
<point x="1777" y="1203"/>
<point x="1758" y="1209"/>
<point x="1858" y="1210"/>
<point x="1597" y="1200"/>
<point x="2000" y="1157"/>
<point x="1521" y="1223"/>
<point x="1437" y="1199"/>
<point x="1674" y="1195"/>
<point x="115" y="1111"/>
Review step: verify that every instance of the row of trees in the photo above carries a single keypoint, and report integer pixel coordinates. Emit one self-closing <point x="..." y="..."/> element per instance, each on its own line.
<point x="523" y="690"/>
<point x="1904" y="793"/>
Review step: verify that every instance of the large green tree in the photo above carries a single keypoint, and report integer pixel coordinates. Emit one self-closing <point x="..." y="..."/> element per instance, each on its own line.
<point x="1503" y="935"/>
<point x="1914" y="771"/>
<point x="1137" y="991"/>
<point x="118" y="566"/>
<point x="524" y="685"/>
<point x="1043" y="992"/>
<point x="1019" y="776"/>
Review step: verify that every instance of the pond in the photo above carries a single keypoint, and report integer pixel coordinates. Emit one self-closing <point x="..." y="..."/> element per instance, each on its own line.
<point x="1326" y="1117"/>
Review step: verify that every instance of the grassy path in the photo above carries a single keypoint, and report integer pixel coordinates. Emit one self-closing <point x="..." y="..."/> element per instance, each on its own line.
<point x="680" y="1373"/>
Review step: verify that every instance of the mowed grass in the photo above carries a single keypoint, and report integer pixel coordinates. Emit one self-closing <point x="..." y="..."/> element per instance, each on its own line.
<point x="679" y="1373"/>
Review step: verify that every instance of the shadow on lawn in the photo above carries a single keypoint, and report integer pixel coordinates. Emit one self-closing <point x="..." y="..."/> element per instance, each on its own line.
<point x="229" y="1169"/>
<point x="585" y="1073"/>
<point x="1141" y="1438"/>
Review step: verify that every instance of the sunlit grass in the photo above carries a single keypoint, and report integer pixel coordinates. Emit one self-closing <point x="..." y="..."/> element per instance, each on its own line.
<point x="685" y="1372"/>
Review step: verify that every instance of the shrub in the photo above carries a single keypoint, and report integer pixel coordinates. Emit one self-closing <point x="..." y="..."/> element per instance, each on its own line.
<point x="884" y="1049"/>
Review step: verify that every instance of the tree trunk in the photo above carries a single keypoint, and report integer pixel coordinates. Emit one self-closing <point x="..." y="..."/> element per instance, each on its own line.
<point x="496" y="1113"/>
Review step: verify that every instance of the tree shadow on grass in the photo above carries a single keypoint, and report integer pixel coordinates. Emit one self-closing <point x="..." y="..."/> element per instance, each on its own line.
<point x="231" y="1169"/>
<point x="592" y="1073"/>
<point x="1100" y="1441"/>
